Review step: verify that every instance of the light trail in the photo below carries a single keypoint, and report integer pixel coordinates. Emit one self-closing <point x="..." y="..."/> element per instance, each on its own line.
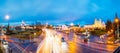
<point x="52" y="43"/>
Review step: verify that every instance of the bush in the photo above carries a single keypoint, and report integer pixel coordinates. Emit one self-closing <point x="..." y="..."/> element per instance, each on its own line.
<point x="25" y="35"/>
<point x="98" y="32"/>
<point x="1" y="50"/>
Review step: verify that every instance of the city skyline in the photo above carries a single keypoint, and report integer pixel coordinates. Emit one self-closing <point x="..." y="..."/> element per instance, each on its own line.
<point x="59" y="26"/>
<point x="81" y="23"/>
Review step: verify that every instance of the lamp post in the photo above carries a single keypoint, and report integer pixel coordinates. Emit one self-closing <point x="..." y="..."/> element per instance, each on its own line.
<point x="117" y="22"/>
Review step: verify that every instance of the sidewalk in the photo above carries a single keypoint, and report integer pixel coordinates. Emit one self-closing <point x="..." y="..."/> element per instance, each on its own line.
<point x="99" y="45"/>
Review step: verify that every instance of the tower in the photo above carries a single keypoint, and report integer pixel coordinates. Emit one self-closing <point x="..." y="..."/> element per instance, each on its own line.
<point x="23" y="25"/>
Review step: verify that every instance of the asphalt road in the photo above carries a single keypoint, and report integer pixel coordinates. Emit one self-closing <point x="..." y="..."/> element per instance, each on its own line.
<point x="53" y="44"/>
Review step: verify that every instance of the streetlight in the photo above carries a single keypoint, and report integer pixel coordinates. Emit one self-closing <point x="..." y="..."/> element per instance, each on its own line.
<point x="117" y="22"/>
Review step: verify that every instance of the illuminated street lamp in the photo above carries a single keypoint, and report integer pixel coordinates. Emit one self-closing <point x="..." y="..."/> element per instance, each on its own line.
<point x="117" y="22"/>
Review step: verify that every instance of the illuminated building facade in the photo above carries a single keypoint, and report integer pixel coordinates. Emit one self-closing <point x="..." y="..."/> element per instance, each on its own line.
<point x="25" y="26"/>
<point x="97" y="24"/>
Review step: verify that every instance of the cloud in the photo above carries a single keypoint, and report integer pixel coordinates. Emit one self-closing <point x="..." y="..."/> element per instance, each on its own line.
<point x="95" y="7"/>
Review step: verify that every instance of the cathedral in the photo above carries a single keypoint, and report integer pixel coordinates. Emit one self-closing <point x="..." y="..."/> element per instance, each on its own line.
<point x="97" y="24"/>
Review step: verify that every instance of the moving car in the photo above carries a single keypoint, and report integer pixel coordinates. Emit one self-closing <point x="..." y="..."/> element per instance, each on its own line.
<point x="4" y="42"/>
<point x="63" y="40"/>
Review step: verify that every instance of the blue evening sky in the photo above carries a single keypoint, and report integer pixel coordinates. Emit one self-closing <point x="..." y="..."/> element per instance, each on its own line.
<point x="58" y="11"/>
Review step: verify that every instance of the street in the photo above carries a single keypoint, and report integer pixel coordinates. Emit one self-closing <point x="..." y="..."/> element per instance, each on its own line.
<point x="52" y="44"/>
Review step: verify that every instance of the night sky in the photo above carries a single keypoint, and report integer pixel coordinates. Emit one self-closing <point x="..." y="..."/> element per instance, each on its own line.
<point x="59" y="11"/>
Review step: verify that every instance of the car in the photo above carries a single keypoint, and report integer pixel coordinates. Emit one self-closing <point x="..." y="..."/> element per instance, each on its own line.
<point x="86" y="40"/>
<point x="62" y="39"/>
<point x="64" y="45"/>
<point x="4" y="42"/>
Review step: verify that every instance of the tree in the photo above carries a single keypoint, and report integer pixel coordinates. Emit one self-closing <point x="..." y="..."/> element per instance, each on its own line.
<point x="1" y="51"/>
<point x="49" y="26"/>
<point x="98" y="32"/>
<point x="109" y="25"/>
<point x="8" y="29"/>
